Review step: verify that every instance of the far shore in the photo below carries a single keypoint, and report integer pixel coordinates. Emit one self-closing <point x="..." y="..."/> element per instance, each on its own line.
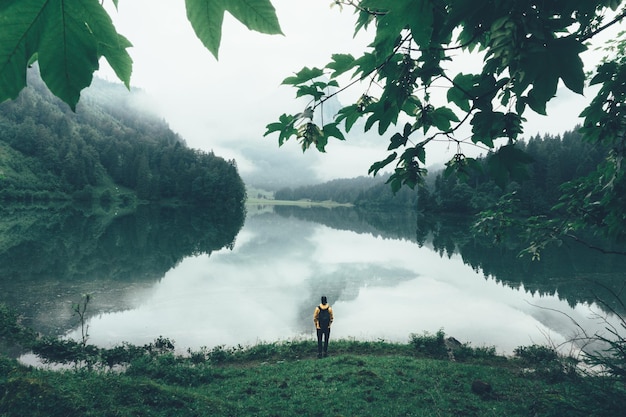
<point x="298" y="203"/>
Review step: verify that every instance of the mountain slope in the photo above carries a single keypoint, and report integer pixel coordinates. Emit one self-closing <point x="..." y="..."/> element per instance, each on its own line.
<point x="49" y="152"/>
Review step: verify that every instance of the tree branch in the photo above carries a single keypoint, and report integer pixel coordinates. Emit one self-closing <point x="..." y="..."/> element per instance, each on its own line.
<point x="616" y="20"/>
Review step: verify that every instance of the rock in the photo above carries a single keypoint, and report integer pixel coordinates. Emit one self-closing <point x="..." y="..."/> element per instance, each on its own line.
<point x="481" y="387"/>
<point x="453" y="343"/>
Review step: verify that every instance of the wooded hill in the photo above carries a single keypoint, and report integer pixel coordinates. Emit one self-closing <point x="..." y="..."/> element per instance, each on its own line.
<point x="555" y="160"/>
<point x="106" y="149"/>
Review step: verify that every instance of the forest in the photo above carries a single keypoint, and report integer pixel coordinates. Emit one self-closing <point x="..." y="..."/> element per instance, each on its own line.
<point x="108" y="149"/>
<point x="555" y="160"/>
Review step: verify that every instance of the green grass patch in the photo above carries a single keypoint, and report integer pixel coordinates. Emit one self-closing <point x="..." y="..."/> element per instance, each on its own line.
<point x="286" y="379"/>
<point x="431" y="375"/>
<point x="390" y="383"/>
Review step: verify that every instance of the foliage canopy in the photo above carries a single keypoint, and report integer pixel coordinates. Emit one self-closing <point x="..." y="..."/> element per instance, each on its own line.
<point x="528" y="49"/>
<point x="414" y="97"/>
<point x="68" y="38"/>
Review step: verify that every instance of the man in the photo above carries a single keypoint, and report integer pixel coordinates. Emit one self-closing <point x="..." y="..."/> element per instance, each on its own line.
<point x="323" y="318"/>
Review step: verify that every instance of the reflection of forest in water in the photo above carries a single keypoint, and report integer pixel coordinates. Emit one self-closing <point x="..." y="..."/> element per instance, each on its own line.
<point x="49" y="258"/>
<point x="574" y="272"/>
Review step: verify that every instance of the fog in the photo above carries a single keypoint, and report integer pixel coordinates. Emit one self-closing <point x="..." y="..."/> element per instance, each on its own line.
<point x="225" y="105"/>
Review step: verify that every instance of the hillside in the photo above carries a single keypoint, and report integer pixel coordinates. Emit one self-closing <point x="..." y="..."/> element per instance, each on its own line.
<point x="472" y="189"/>
<point x="108" y="147"/>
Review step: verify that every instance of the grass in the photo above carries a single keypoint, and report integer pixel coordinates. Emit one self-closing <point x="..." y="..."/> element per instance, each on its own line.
<point x="286" y="379"/>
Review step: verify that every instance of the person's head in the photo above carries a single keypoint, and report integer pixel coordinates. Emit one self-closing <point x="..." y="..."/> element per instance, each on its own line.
<point x="324" y="300"/>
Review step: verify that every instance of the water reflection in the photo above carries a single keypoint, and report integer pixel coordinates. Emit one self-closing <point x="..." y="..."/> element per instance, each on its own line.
<point x="48" y="257"/>
<point x="266" y="287"/>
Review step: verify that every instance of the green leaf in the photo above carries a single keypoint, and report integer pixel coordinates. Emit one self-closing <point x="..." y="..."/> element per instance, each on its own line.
<point x="385" y="113"/>
<point x="604" y="73"/>
<point x="410" y="154"/>
<point x="565" y="54"/>
<point x="68" y="48"/>
<point x="387" y="35"/>
<point x="331" y="130"/>
<point x="442" y="117"/>
<point x="67" y="37"/>
<point x="377" y="166"/>
<point x="363" y="20"/>
<point x="508" y="163"/>
<point x="304" y="75"/>
<point x="546" y="63"/>
<point x="461" y="92"/>
<point x="119" y="59"/>
<point x="395" y="180"/>
<point x="537" y="99"/>
<point x="366" y="64"/>
<point x="340" y="64"/>
<point x="206" y="18"/>
<point x="490" y="125"/>
<point x="399" y="139"/>
<point x="459" y="97"/>
<point x="421" y="21"/>
<point x="307" y="90"/>
<point x="416" y="15"/>
<point x="20" y="28"/>
<point x="350" y="114"/>
<point x="285" y="127"/>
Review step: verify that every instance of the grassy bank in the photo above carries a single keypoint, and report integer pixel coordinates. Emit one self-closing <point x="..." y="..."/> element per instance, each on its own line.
<point x="425" y="377"/>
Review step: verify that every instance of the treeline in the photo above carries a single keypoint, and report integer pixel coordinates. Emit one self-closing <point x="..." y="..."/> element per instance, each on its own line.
<point x="48" y="152"/>
<point x="340" y="190"/>
<point x="361" y="191"/>
<point x="556" y="159"/>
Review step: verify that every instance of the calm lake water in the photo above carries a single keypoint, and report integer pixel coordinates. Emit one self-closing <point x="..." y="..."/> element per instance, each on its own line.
<point x="384" y="283"/>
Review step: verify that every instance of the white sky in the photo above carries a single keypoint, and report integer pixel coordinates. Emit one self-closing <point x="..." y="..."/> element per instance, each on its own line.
<point x="225" y="105"/>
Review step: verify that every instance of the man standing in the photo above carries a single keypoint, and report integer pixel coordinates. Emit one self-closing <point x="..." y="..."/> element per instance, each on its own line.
<point x="323" y="318"/>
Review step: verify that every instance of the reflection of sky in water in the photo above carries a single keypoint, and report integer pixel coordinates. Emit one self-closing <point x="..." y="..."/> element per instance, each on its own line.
<point x="266" y="288"/>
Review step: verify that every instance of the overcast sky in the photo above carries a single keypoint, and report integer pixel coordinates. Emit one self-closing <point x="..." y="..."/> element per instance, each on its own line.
<point x="225" y="105"/>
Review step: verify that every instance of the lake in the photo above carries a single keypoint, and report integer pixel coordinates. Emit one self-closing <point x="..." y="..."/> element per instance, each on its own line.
<point x="211" y="279"/>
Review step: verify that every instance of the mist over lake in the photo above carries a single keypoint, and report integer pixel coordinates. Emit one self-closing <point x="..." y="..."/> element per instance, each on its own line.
<point x="205" y="283"/>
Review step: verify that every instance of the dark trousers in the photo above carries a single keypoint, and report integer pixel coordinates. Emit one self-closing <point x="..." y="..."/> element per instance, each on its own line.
<point x="322" y="334"/>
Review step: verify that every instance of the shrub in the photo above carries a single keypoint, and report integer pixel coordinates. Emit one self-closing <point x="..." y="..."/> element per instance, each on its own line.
<point x="161" y="345"/>
<point x="465" y="352"/>
<point x="121" y="355"/>
<point x="546" y="362"/>
<point x="612" y="360"/>
<point x="11" y="331"/>
<point x="430" y="345"/>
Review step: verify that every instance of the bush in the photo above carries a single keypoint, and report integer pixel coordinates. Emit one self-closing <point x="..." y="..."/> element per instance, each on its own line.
<point x="430" y="345"/>
<point x="121" y="355"/>
<point x="612" y="360"/>
<point x="53" y="350"/>
<point x="465" y="352"/>
<point x="546" y="362"/>
<point x="11" y="331"/>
